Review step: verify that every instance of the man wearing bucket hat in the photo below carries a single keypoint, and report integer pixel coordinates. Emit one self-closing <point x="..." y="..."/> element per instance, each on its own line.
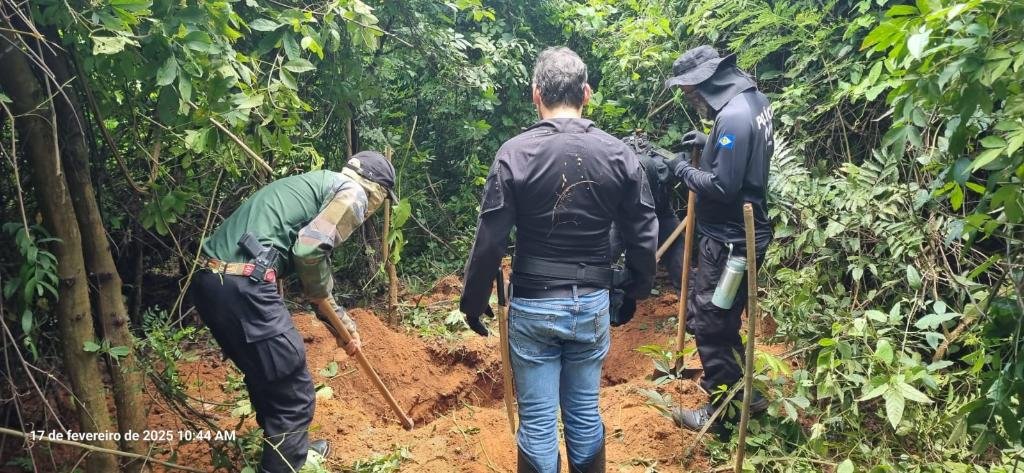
<point x="733" y="169"/>
<point x="291" y="225"/>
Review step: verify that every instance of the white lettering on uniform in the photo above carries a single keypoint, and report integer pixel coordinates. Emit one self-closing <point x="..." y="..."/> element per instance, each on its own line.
<point x="764" y="122"/>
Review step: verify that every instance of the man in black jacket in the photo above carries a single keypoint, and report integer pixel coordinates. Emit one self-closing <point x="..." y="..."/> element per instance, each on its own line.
<point x="561" y="184"/>
<point x="733" y="170"/>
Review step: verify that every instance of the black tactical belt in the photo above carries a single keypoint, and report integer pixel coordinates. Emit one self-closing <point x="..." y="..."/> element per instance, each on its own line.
<point x="563" y="274"/>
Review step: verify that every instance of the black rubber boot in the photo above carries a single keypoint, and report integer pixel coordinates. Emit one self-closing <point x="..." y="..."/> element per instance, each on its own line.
<point x="322" y="447"/>
<point x="594" y="465"/>
<point x="525" y="465"/>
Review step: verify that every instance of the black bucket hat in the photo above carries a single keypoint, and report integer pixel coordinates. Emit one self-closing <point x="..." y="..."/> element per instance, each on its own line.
<point x="376" y="168"/>
<point x="697" y="65"/>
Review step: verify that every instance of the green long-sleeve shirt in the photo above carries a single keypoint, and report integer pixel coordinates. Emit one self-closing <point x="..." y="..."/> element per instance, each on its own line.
<point x="304" y="217"/>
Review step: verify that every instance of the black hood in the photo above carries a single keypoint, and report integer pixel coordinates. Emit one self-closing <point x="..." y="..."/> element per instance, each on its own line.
<point x="725" y="84"/>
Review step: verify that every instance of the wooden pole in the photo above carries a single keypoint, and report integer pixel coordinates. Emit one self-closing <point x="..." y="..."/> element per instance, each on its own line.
<point x="752" y="315"/>
<point x="343" y="338"/>
<point x="670" y="240"/>
<point x="684" y="284"/>
<point x="389" y="265"/>
<point x="506" y="357"/>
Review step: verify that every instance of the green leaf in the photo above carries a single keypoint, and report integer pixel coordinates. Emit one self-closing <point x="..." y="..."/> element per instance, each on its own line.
<point x="299" y="66"/>
<point x="956" y="197"/>
<point x="288" y="80"/>
<point x="845" y="467"/>
<point x="909" y="392"/>
<point x="331" y="370"/>
<point x="877" y="391"/>
<point x="917" y="42"/>
<point x="913" y="277"/>
<point x="132" y="5"/>
<point x="894" y="404"/>
<point x="876" y="315"/>
<point x="91" y="346"/>
<point x="243" y="408"/>
<point x="993" y="141"/>
<point x="401" y="213"/>
<point x="931" y="321"/>
<point x="985" y="157"/>
<point x="938" y="365"/>
<point x="324" y="392"/>
<point x="263" y="24"/>
<point x="883" y="351"/>
<point x="291" y="48"/>
<point x="118" y="352"/>
<point x="977" y="188"/>
<point x="901" y="10"/>
<point x="110" y="44"/>
<point x="167" y="72"/>
<point x="26" y="320"/>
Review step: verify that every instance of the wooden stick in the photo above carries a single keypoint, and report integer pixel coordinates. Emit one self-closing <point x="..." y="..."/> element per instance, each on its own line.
<point x="506" y="357"/>
<point x="684" y="284"/>
<point x="343" y="338"/>
<point x="752" y="315"/>
<point x="93" y="448"/>
<point x="670" y="240"/>
<point x="389" y="265"/>
<point x="252" y="154"/>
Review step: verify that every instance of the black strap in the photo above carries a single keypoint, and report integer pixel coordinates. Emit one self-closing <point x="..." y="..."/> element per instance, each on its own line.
<point x="563" y="274"/>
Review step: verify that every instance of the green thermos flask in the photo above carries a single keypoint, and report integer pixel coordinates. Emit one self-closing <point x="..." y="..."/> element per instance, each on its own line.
<point x="729" y="282"/>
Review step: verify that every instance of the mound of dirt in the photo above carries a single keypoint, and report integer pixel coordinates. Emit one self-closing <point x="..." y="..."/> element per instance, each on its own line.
<point x="454" y="394"/>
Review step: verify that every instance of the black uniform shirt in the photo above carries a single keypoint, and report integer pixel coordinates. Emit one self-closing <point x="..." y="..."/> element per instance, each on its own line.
<point x="734" y="170"/>
<point x="561" y="184"/>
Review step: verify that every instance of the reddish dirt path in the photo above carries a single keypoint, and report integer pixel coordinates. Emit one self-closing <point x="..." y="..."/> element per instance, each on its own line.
<point x="454" y="395"/>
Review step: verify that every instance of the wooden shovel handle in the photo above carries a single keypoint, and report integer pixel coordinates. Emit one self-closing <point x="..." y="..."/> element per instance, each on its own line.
<point x="684" y="283"/>
<point x="343" y="338"/>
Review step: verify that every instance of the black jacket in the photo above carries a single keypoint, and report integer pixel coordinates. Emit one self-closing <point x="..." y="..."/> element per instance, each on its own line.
<point x="734" y="164"/>
<point x="561" y="184"/>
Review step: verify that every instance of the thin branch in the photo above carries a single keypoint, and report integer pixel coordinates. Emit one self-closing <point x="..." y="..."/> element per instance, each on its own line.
<point x="252" y="154"/>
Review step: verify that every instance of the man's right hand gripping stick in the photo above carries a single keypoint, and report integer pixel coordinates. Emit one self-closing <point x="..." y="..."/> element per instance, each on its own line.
<point x="326" y="309"/>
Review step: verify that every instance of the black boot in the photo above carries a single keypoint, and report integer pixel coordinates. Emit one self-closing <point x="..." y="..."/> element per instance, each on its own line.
<point x="594" y="465"/>
<point x="525" y="465"/>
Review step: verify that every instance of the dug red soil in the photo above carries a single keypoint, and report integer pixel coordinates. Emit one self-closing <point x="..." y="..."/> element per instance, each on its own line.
<point x="453" y="391"/>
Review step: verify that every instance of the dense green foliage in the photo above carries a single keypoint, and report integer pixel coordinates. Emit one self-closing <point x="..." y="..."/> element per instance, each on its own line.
<point x="896" y="273"/>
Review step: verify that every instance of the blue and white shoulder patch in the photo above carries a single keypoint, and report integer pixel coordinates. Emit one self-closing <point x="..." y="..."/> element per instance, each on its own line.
<point x="726" y="141"/>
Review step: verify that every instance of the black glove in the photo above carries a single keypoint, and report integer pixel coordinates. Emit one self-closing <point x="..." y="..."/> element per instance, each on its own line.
<point x="476" y="324"/>
<point x="621" y="308"/>
<point x="694" y="139"/>
<point x="680" y="158"/>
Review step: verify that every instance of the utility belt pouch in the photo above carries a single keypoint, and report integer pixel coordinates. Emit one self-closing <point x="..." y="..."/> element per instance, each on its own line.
<point x="264" y="257"/>
<point x="620" y="277"/>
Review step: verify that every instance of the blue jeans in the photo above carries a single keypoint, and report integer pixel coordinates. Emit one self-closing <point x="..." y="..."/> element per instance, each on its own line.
<point x="557" y="348"/>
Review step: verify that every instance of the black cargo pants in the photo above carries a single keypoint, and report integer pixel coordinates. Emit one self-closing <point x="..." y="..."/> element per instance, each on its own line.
<point x="716" y="330"/>
<point x="280" y="387"/>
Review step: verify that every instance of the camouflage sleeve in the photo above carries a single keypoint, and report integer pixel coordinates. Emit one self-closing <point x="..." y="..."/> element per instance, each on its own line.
<point x="336" y="221"/>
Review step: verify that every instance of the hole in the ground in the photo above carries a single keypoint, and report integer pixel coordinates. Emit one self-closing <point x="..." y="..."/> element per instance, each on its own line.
<point x="483" y="389"/>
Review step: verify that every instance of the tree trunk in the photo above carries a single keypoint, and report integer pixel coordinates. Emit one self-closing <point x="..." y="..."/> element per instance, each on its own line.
<point x="106" y="282"/>
<point x="72" y="309"/>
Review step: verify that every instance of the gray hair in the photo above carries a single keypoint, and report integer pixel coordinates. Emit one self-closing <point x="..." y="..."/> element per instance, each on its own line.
<point x="560" y="75"/>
